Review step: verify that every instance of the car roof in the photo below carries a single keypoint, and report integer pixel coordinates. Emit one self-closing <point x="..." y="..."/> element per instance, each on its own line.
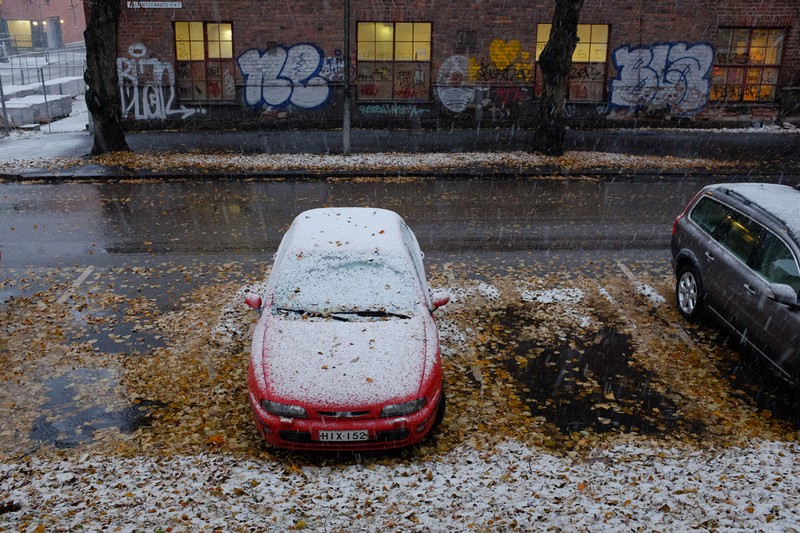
<point x="781" y="201"/>
<point x="347" y="228"/>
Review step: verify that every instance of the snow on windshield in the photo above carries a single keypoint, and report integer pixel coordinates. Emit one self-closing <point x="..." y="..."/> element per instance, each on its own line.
<point x="340" y="282"/>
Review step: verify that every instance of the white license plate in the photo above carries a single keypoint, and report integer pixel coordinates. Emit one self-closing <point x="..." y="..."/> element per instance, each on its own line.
<point x="342" y="436"/>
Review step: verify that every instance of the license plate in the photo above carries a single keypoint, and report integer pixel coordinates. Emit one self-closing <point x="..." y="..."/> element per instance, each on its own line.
<point x="342" y="436"/>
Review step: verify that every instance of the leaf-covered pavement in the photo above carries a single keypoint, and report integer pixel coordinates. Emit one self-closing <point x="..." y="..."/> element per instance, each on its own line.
<point x="205" y="163"/>
<point x="565" y="388"/>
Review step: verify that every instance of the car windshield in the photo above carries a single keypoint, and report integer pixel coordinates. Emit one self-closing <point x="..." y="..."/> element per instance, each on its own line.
<point x="347" y="284"/>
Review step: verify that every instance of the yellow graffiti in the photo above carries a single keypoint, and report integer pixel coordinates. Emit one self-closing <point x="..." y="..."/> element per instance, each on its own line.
<point x="504" y="53"/>
<point x="473" y="68"/>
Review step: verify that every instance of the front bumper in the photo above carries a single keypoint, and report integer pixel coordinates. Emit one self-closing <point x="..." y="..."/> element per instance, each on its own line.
<point x="384" y="433"/>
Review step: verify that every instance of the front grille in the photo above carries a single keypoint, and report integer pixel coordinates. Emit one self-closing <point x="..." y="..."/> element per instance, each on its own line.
<point x="391" y="435"/>
<point x="342" y="414"/>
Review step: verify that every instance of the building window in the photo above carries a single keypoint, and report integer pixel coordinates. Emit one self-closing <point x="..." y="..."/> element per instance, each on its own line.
<point x="394" y="60"/>
<point x="204" y="61"/>
<point x="747" y="64"/>
<point x="587" y="77"/>
<point x="20" y="33"/>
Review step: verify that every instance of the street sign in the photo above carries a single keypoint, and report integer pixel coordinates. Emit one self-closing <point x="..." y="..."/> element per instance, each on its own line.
<point x="141" y="4"/>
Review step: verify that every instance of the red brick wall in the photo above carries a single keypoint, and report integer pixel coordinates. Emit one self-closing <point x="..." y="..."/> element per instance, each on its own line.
<point x="467" y="27"/>
<point x="73" y="23"/>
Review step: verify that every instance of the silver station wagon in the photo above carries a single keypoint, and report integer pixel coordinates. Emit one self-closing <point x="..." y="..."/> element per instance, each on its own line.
<point x="735" y="252"/>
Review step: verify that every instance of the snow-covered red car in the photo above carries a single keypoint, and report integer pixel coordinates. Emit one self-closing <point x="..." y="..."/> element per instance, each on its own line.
<point x="345" y="355"/>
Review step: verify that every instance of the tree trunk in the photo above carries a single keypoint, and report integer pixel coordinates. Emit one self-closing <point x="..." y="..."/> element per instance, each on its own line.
<point x="102" y="91"/>
<point x="556" y="62"/>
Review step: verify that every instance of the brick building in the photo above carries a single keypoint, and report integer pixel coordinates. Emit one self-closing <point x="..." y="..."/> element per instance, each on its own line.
<point x="31" y="25"/>
<point x="442" y="63"/>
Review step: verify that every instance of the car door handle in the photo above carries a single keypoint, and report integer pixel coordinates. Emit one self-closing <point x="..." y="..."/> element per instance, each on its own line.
<point x="750" y="290"/>
<point x="709" y="256"/>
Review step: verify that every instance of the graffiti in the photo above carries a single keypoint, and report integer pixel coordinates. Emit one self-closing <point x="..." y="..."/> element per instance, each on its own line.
<point x="732" y="58"/>
<point x="503" y="102"/>
<point x="464" y="81"/>
<point x="675" y="77"/>
<point x="738" y="93"/>
<point x="229" y="81"/>
<point x="587" y="72"/>
<point x="283" y="76"/>
<point x="147" y="87"/>
<point x="410" y="84"/>
<point x="506" y="96"/>
<point x="455" y="96"/>
<point x="394" y="110"/>
<point x="586" y="82"/>
<point x="507" y="62"/>
<point x="489" y="72"/>
<point x="374" y="73"/>
<point x="333" y="69"/>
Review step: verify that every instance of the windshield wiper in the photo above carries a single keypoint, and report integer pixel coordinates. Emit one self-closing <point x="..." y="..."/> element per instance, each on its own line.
<point x="315" y="314"/>
<point x="375" y="313"/>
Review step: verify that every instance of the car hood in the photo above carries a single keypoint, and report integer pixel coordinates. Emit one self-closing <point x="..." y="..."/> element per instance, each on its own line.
<point x="330" y="363"/>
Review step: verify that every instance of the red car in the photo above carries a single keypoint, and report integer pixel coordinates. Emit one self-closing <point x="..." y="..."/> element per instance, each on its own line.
<point x="346" y="353"/>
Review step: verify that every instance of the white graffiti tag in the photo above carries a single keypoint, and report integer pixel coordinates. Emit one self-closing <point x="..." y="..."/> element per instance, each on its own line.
<point x="147" y="87"/>
<point x="450" y="88"/>
<point x="284" y="76"/>
<point x="675" y="77"/>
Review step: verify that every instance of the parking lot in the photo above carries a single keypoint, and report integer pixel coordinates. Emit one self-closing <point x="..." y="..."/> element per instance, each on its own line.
<point x="562" y="359"/>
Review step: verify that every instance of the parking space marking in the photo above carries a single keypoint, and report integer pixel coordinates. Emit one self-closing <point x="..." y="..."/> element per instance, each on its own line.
<point x="682" y="334"/>
<point x="626" y="271"/>
<point x="75" y="284"/>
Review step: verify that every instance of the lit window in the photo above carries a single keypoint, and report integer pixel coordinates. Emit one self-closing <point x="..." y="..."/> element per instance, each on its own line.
<point x="204" y="61"/>
<point x="747" y="64"/>
<point x="394" y="60"/>
<point x="587" y="77"/>
<point x="20" y="34"/>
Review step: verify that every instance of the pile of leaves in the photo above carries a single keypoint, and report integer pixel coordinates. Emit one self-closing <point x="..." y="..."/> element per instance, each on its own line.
<point x="197" y="163"/>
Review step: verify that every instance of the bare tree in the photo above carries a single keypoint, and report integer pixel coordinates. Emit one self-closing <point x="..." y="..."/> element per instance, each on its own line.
<point x="102" y="92"/>
<point x="556" y="62"/>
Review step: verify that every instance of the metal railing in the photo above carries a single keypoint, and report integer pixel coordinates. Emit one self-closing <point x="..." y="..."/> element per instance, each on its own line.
<point x="26" y="68"/>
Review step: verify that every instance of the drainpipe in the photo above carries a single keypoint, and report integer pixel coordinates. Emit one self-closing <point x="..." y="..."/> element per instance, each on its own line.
<point x="346" y="119"/>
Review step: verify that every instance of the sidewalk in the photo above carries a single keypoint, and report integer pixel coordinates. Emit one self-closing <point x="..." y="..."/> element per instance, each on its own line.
<point x="59" y="151"/>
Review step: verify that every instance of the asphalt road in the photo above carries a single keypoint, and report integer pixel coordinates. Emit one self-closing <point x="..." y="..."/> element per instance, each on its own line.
<point x="95" y="274"/>
<point x="107" y="222"/>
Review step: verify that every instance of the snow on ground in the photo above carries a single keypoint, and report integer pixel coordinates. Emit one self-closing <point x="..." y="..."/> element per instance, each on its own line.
<point x="628" y="484"/>
<point x="625" y="488"/>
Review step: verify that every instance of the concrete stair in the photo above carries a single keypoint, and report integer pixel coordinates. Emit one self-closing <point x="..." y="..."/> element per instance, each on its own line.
<point x="26" y="104"/>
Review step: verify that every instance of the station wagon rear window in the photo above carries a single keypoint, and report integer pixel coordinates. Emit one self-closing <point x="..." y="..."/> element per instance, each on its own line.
<point x="709" y="213"/>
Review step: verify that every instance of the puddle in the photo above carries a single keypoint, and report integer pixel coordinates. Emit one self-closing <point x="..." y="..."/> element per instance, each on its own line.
<point x="109" y="330"/>
<point x="586" y="382"/>
<point x="82" y="402"/>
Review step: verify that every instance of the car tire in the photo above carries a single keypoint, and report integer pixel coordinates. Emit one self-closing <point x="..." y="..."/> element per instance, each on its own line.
<point x="689" y="293"/>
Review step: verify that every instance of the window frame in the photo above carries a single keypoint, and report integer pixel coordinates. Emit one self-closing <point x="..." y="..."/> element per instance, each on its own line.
<point x="767" y="239"/>
<point x="202" y="75"/>
<point x="384" y="77"/>
<point x="733" y="78"/>
<point x="761" y="237"/>
<point x="588" y="77"/>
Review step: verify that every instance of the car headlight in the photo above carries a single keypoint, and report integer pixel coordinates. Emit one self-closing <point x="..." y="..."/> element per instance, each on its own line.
<point x="282" y="409"/>
<point x="402" y="409"/>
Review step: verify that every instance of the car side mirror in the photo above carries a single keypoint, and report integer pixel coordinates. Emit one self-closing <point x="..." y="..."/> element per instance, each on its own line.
<point x="439" y="299"/>
<point x="253" y="301"/>
<point x="783" y="294"/>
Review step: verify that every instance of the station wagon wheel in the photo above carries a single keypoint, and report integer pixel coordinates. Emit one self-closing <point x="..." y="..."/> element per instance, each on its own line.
<point x="689" y="293"/>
